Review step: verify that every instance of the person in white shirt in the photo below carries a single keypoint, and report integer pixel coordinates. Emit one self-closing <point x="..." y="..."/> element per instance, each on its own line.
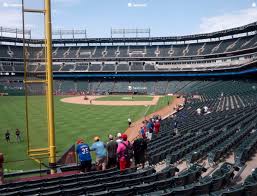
<point x="129" y="122"/>
<point x="198" y="111"/>
<point x="118" y="138"/>
<point x="205" y="109"/>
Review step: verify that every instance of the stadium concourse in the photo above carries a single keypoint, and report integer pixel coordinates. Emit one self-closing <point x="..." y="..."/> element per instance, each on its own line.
<point x="207" y="148"/>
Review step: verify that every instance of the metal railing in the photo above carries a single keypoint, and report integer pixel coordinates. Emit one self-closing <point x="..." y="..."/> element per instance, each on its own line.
<point x="5" y="31"/>
<point x="28" y="168"/>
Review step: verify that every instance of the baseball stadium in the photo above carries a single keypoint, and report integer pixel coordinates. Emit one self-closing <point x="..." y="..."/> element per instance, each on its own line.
<point x="65" y="97"/>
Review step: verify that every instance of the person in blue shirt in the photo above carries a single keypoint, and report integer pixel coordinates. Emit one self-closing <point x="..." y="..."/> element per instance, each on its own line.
<point x="149" y="127"/>
<point x="142" y="132"/>
<point x="84" y="156"/>
<point x="101" y="153"/>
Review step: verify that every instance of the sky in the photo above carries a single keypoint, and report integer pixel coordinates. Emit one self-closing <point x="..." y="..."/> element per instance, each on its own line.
<point x="163" y="17"/>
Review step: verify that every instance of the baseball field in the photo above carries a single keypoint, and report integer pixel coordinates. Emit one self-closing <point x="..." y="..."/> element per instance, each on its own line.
<point x="72" y="121"/>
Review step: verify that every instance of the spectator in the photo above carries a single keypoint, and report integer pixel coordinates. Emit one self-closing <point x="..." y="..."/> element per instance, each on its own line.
<point x="112" y="152"/>
<point x="152" y="123"/>
<point x="145" y="128"/>
<point x="118" y="138"/>
<point x="142" y="132"/>
<point x="84" y="156"/>
<point x="175" y="127"/>
<point x="18" y="135"/>
<point x="7" y="136"/>
<point x="157" y="126"/>
<point x="198" y="111"/>
<point x="139" y="147"/>
<point x="129" y="122"/>
<point x="149" y="127"/>
<point x="100" y="151"/>
<point x="205" y="109"/>
<point x="124" y="153"/>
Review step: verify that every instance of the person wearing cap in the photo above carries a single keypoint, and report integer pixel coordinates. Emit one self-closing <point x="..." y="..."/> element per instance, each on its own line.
<point x="123" y="162"/>
<point x="101" y="153"/>
<point x="111" y="152"/>
<point x="84" y="156"/>
<point x="118" y="138"/>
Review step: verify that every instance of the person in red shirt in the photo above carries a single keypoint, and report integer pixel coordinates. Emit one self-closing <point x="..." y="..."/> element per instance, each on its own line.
<point x="157" y="126"/>
<point x="124" y="161"/>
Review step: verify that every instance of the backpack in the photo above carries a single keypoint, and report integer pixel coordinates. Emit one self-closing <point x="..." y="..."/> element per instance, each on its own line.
<point x="128" y="153"/>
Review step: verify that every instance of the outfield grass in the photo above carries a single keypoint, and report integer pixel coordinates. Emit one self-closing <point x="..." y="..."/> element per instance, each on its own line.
<point x="125" y="98"/>
<point x="71" y="121"/>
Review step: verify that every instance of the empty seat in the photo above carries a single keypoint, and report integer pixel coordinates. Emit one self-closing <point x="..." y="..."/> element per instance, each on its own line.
<point x="93" y="188"/>
<point x="52" y="193"/>
<point x="239" y="191"/>
<point x="202" y="188"/>
<point x="183" y="191"/>
<point x="115" y="185"/>
<point x="251" y="189"/>
<point x="101" y="193"/>
<point x="144" y="188"/>
<point x="123" y="192"/>
<point x="163" y="184"/>
<point x="73" y="191"/>
<point x="217" y="183"/>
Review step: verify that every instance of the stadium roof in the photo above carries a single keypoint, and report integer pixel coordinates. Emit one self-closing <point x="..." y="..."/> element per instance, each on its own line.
<point x="229" y="32"/>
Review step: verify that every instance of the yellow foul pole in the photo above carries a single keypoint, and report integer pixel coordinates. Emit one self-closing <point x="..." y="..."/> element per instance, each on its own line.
<point x="49" y="78"/>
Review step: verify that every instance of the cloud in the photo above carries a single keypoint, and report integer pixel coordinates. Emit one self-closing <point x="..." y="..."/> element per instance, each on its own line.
<point x="67" y="2"/>
<point x="14" y="5"/>
<point x="228" y="20"/>
<point x="13" y="19"/>
<point x="137" y="5"/>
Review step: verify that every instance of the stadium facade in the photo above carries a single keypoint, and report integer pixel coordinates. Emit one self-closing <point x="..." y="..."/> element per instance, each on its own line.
<point x="148" y="65"/>
<point x="228" y="52"/>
